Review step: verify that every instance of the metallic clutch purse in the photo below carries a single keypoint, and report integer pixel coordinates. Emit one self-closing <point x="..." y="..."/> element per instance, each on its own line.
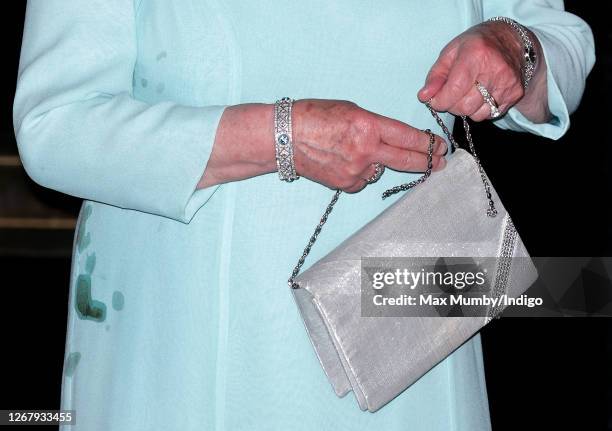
<point x="454" y="213"/>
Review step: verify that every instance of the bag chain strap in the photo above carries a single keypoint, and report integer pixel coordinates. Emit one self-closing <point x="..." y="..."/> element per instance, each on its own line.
<point x="491" y="211"/>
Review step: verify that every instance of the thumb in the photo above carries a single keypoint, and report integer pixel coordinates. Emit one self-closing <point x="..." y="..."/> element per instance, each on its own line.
<point x="435" y="82"/>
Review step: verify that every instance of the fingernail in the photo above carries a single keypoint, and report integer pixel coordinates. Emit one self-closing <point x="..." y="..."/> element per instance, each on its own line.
<point x="442" y="147"/>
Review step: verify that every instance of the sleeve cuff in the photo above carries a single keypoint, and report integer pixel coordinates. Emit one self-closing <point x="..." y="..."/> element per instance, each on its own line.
<point x="186" y="182"/>
<point x="560" y="119"/>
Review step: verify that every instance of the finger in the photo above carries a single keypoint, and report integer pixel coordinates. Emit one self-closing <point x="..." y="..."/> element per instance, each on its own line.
<point x="368" y="172"/>
<point x="437" y="76"/>
<point x="400" y="135"/>
<point x="459" y="83"/>
<point x="372" y="173"/>
<point x="435" y="81"/>
<point x="408" y="161"/>
<point x="482" y="114"/>
<point x="357" y="187"/>
<point x="469" y="104"/>
<point x="509" y="98"/>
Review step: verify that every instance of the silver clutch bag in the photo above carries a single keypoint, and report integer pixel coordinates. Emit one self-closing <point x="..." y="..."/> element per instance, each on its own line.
<point x="454" y="213"/>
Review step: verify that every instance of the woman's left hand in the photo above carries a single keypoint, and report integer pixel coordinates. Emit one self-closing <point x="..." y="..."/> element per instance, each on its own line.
<point x="492" y="54"/>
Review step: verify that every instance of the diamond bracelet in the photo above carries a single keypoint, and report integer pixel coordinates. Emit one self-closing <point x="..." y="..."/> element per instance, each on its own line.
<point x="530" y="56"/>
<point x="283" y="139"/>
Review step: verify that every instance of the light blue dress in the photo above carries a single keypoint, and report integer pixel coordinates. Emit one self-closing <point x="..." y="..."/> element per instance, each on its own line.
<point x="179" y="315"/>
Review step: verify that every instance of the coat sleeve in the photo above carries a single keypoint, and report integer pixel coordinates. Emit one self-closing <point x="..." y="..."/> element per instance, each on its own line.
<point x="567" y="43"/>
<point x="80" y="131"/>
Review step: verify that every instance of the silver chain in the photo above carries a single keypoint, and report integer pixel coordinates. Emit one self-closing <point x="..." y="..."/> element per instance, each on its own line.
<point x="312" y="240"/>
<point x="422" y="178"/>
<point x="491" y="211"/>
<point x="447" y="132"/>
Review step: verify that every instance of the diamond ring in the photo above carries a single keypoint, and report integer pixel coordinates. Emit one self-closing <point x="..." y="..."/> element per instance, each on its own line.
<point x="488" y="99"/>
<point x="379" y="169"/>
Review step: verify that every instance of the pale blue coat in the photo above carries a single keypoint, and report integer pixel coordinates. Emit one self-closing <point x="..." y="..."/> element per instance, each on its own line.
<point x="179" y="315"/>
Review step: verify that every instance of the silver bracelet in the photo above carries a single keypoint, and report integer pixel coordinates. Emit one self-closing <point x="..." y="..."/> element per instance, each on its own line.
<point x="529" y="53"/>
<point x="283" y="139"/>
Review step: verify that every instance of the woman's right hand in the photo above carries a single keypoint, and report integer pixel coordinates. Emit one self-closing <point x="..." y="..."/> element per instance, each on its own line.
<point x="336" y="143"/>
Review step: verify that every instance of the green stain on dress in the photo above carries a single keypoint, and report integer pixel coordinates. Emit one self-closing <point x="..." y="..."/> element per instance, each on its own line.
<point x="85" y="242"/>
<point x="118" y="300"/>
<point x="90" y="263"/>
<point x="86" y="307"/>
<point x="71" y="363"/>
<point x="83" y="238"/>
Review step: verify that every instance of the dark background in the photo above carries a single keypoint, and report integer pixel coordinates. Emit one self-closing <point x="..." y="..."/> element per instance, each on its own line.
<point x="548" y="373"/>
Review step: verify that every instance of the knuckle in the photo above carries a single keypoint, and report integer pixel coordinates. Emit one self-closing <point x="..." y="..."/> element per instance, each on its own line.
<point x="409" y="159"/>
<point x="362" y="124"/>
<point x="358" y="187"/>
<point x="362" y="151"/>
<point x="462" y="108"/>
<point x="519" y="93"/>
<point x="353" y="170"/>
<point x="478" y="117"/>
<point x="345" y="183"/>
<point x="349" y="103"/>
<point x="455" y="86"/>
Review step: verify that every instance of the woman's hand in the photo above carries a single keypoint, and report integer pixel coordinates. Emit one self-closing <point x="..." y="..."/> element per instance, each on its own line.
<point x="336" y="142"/>
<point x="492" y="54"/>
